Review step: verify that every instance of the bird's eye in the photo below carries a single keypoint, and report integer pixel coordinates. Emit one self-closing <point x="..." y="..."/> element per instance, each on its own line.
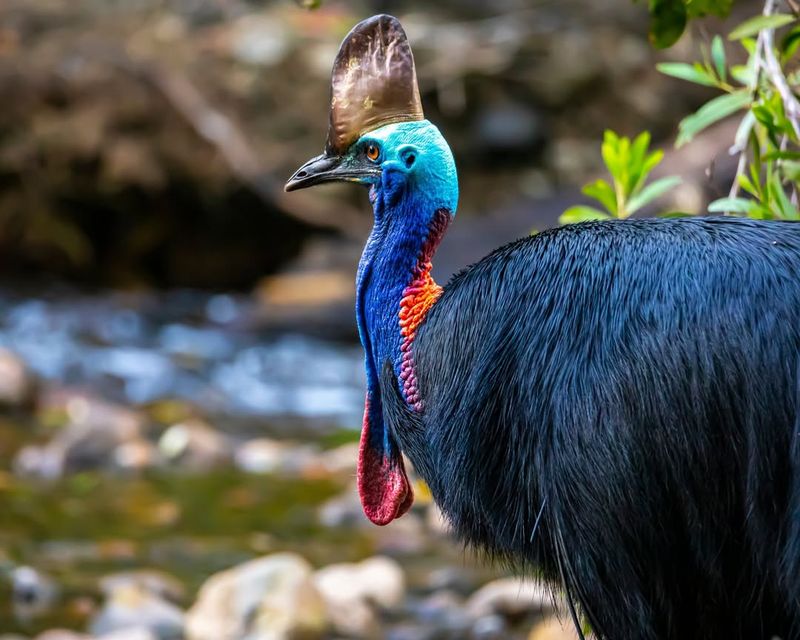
<point x="373" y="152"/>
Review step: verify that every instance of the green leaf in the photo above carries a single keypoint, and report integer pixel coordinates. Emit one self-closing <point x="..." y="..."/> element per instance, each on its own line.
<point x="786" y="209"/>
<point x="748" y="186"/>
<point x="691" y="73"/>
<point x="711" y="112"/>
<point x="603" y="192"/>
<point x="581" y="213"/>
<point x="667" y="22"/>
<point x="611" y="154"/>
<point x="734" y="205"/>
<point x="789" y="44"/>
<point x="718" y="56"/>
<point x="782" y="155"/>
<point x="791" y="170"/>
<point x="697" y="8"/>
<point x="752" y="26"/>
<point x="651" y="192"/>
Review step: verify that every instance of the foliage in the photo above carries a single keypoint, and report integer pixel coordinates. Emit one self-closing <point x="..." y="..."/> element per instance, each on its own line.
<point x="668" y="18"/>
<point x="763" y="89"/>
<point x="629" y="163"/>
<point x="767" y="137"/>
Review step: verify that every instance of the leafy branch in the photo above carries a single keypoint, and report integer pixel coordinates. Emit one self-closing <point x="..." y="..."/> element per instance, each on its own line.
<point x="629" y="163"/>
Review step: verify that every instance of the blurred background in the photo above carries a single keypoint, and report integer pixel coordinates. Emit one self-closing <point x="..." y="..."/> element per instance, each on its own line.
<point x="180" y="379"/>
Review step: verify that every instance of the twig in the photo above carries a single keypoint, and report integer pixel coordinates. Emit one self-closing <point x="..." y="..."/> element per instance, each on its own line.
<point x="773" y="69"/>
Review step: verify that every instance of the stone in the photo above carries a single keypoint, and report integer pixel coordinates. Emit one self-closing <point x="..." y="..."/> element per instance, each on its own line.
<point x="195" y="445"/>
<point x="131" y="633"/>
<point x="492" y="627"/>
<point x="135" y="456"/>
<point x="94" y="431"/>
<point x="60" y="634"/>
<point x="343" y="510"/>
<point x="270" y="598"/>
<point x="34" y="592"/>
<point x="510" y="597"/>
<point x="17" y="383"/>
<point x="552" y="628"/>
<point x="131" y="605"/>
<point x="340" y="460"/>
<point x="154" y="581"/>
<point x="354" y="592"/>
<point x="264" y="455"/>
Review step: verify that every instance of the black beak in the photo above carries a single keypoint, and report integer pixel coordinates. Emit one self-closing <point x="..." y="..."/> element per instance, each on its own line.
<point x="330" y="168"/>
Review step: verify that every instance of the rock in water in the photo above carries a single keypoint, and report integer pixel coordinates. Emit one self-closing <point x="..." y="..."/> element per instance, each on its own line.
<point x="17" y="384"/>
<point x="353" y="593"/>
<point x="510" y="597"/>
<point x="272" y="598"/>
<point x="131" y="605"/>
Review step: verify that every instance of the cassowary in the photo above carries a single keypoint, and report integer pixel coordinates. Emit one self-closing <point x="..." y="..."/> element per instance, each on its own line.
<point x="614" y="404"/>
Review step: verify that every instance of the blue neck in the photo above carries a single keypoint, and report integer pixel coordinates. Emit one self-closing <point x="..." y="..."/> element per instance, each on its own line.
<point x="385" y="270"/>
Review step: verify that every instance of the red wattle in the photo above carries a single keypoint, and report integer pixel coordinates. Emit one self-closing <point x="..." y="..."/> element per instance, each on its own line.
<point x="383" y="485"/>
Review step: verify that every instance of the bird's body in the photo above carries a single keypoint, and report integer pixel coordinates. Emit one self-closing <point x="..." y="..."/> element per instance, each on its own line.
<point x="636" y="383"/>
<point x="614" y="404"/>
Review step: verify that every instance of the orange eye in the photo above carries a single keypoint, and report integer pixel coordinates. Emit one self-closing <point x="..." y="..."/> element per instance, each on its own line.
<point x="373" y="152"/>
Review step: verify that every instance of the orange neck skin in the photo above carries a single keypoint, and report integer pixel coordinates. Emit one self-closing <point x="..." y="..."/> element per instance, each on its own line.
<point x="418" y="298"/>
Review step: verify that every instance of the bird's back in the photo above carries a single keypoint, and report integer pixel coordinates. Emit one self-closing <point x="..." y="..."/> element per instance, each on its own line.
<point x="635" y="385"/>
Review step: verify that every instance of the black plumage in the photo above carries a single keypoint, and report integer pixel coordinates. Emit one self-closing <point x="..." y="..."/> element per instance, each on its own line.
<point x="637" y="383"/>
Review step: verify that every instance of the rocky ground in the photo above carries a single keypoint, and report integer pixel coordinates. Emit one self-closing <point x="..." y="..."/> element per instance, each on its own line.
<point x="169" y="469"/>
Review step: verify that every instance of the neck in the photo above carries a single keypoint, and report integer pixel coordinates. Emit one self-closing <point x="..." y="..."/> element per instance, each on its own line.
<point x="396" y="290"/>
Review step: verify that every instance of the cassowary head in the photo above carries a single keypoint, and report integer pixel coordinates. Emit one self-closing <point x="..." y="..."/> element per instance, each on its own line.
<point x="377" y="134"/>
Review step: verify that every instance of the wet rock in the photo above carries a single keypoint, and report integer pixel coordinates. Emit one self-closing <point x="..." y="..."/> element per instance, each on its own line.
<point x="34" y="592"/>
<point x="158" y="583"/>
<point x="443" y="611"/>
<point x="451" y="578"/>
<point x="343" y="510"/>
<point x="94" y="430"/>
<point x="195" y="445"/>
<point x="133" y="633"/>
<point x="17" y="383"/>
<point x="62" y="634"/>
<point x="131" y="605"/>
<point x="270" y="598"/>
<point x="135" y="456"/>
<point x="265" y="455"/>
<point x="553" y="629"/>
<point x="355" y="592"/>
<point x="406" y="536"/>
<point x="509" y="597"/>
<point x="340" y="460"/>
<point x="492" y="627"/>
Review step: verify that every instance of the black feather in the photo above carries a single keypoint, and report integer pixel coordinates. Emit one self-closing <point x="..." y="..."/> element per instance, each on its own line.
<point x="642" y="376"/>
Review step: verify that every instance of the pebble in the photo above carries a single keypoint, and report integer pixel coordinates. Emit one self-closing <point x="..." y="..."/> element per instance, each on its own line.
<point x="492" y="627"/>
<point x="17" y="383"/>
<point x="264" y="455"/>
<point x="131" y="633"/>
<point x="354" y="592"/>
<point x="95" y="429"/>
<point x="61" y="634"/>
<point x="195" y="445"/>
<point x="131" y="605"/>
<point x="509" y="597"/>
<point x="271" y="598"/>
<point x="155" y="582"/>
<point x="34" y="592"/>
<point x="552" y="628"/>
